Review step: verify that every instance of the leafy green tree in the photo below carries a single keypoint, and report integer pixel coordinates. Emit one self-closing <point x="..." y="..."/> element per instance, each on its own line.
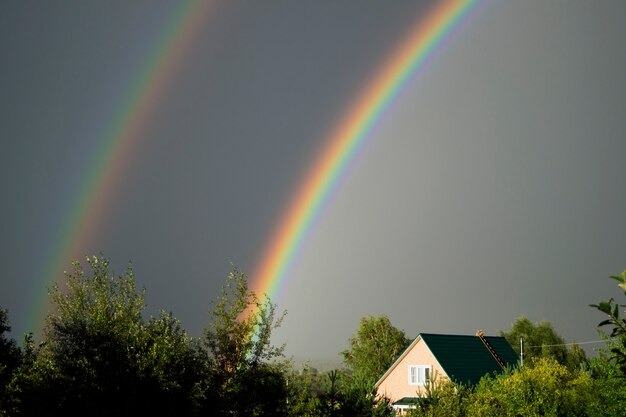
<point x="302" y="391"/>
<point x="542" y="341"/>
<point x="358" y="398"/>
<point x="373" y="348"/>
<point x="330" y="402"/>
<point x="443" y="398"/>
<point x="609" y="390"/>
<point x="618" y="324"/>
<point x="576" y="357"/>
<point x="99" y="357"/>
<point x="10" y="359"/>
<point x="312" y="393"/>
<point x="246" y="376"/>
<point x="545" y="389"/>
<point x="335" y="394"/>
<point x="172" y="365"/>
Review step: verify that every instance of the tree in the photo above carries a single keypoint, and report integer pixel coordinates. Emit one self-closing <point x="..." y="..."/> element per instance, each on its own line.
<point x="542" y="341"/>
<point x="244" y="377"/>
<point x="173" y="364"/>
<point x="545" y="389"/>
<point x="609" y="390"/>
<point x="99" y="356"/>
<point x="304" y="392"/>
<point x="10" y="358"/>
<point x="373" y="348"/>
<point x="357" y="397"/>
<point x="335" y="394"/>
<point x="443" y="398"/>
<point x="330" y="402"/>
<point x="618" y="331"/>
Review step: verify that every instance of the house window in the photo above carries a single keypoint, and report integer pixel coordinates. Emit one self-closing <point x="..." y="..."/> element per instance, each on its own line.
<point x="419" y="374"/>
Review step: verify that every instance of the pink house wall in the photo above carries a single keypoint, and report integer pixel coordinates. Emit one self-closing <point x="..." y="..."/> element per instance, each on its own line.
<point x="395" y="385"/>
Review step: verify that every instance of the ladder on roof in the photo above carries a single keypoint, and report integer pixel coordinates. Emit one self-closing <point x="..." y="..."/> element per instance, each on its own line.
<point x="481" y="336"/>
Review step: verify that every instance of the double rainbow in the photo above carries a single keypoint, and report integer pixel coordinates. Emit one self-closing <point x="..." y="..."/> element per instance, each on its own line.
<point x="125" y="133"/>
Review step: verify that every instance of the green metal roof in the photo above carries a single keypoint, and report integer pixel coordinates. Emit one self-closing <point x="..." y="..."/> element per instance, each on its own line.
<point x="465" y="359"/>
<point x="408" y="401"/>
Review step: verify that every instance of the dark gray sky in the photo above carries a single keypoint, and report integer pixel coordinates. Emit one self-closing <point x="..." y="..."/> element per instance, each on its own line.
<point x="493" y="187"/>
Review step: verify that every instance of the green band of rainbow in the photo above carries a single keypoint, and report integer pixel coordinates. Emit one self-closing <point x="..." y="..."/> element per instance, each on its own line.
<point x="118" y="145"/>
<point x="348" y="138"/>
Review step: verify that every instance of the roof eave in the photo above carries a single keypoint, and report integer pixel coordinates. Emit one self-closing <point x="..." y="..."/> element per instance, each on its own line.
<point x="397" y="361"/>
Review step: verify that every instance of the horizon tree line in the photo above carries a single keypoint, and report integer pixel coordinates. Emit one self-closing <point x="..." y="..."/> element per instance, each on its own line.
<point x="99" y="356"/>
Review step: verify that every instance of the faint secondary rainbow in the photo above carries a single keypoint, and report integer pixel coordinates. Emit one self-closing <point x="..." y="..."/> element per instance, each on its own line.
<point x="119" y="143"/>
<point x="348" y="137"/>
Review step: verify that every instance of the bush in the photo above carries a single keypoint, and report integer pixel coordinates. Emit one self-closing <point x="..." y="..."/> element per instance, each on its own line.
<point x="545" y="388"/>
<point x="443" y="398"/>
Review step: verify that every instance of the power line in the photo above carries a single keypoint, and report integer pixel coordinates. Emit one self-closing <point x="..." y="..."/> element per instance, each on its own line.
<point x="575" y="343"/>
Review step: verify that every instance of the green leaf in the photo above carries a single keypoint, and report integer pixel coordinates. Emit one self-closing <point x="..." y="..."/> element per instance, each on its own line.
<point x="604" y="306"/>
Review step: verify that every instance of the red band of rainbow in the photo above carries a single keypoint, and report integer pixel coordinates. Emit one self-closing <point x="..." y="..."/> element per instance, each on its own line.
<point x="348" y="138"/>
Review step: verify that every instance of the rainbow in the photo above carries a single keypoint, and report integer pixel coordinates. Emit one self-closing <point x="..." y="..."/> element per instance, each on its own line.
<point x="348" y="137"/>
<point x="119" y="143"/>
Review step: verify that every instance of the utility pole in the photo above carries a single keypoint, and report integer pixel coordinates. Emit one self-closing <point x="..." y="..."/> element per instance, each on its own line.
<point x="521" y="350"/>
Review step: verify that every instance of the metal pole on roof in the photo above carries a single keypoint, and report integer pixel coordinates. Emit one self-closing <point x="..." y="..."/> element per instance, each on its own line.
<point x="521" y="350"/>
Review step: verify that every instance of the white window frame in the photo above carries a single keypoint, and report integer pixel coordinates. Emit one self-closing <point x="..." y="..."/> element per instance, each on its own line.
<point x="423" y="374"/>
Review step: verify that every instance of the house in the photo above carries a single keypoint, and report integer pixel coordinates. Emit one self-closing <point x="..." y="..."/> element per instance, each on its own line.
<point x="462" y="359"/>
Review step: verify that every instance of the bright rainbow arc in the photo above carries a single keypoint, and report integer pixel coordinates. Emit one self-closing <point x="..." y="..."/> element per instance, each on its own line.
<point x="125" y="134"/>
<point x="120" y="142"/>
<point x="348" y="138"/>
